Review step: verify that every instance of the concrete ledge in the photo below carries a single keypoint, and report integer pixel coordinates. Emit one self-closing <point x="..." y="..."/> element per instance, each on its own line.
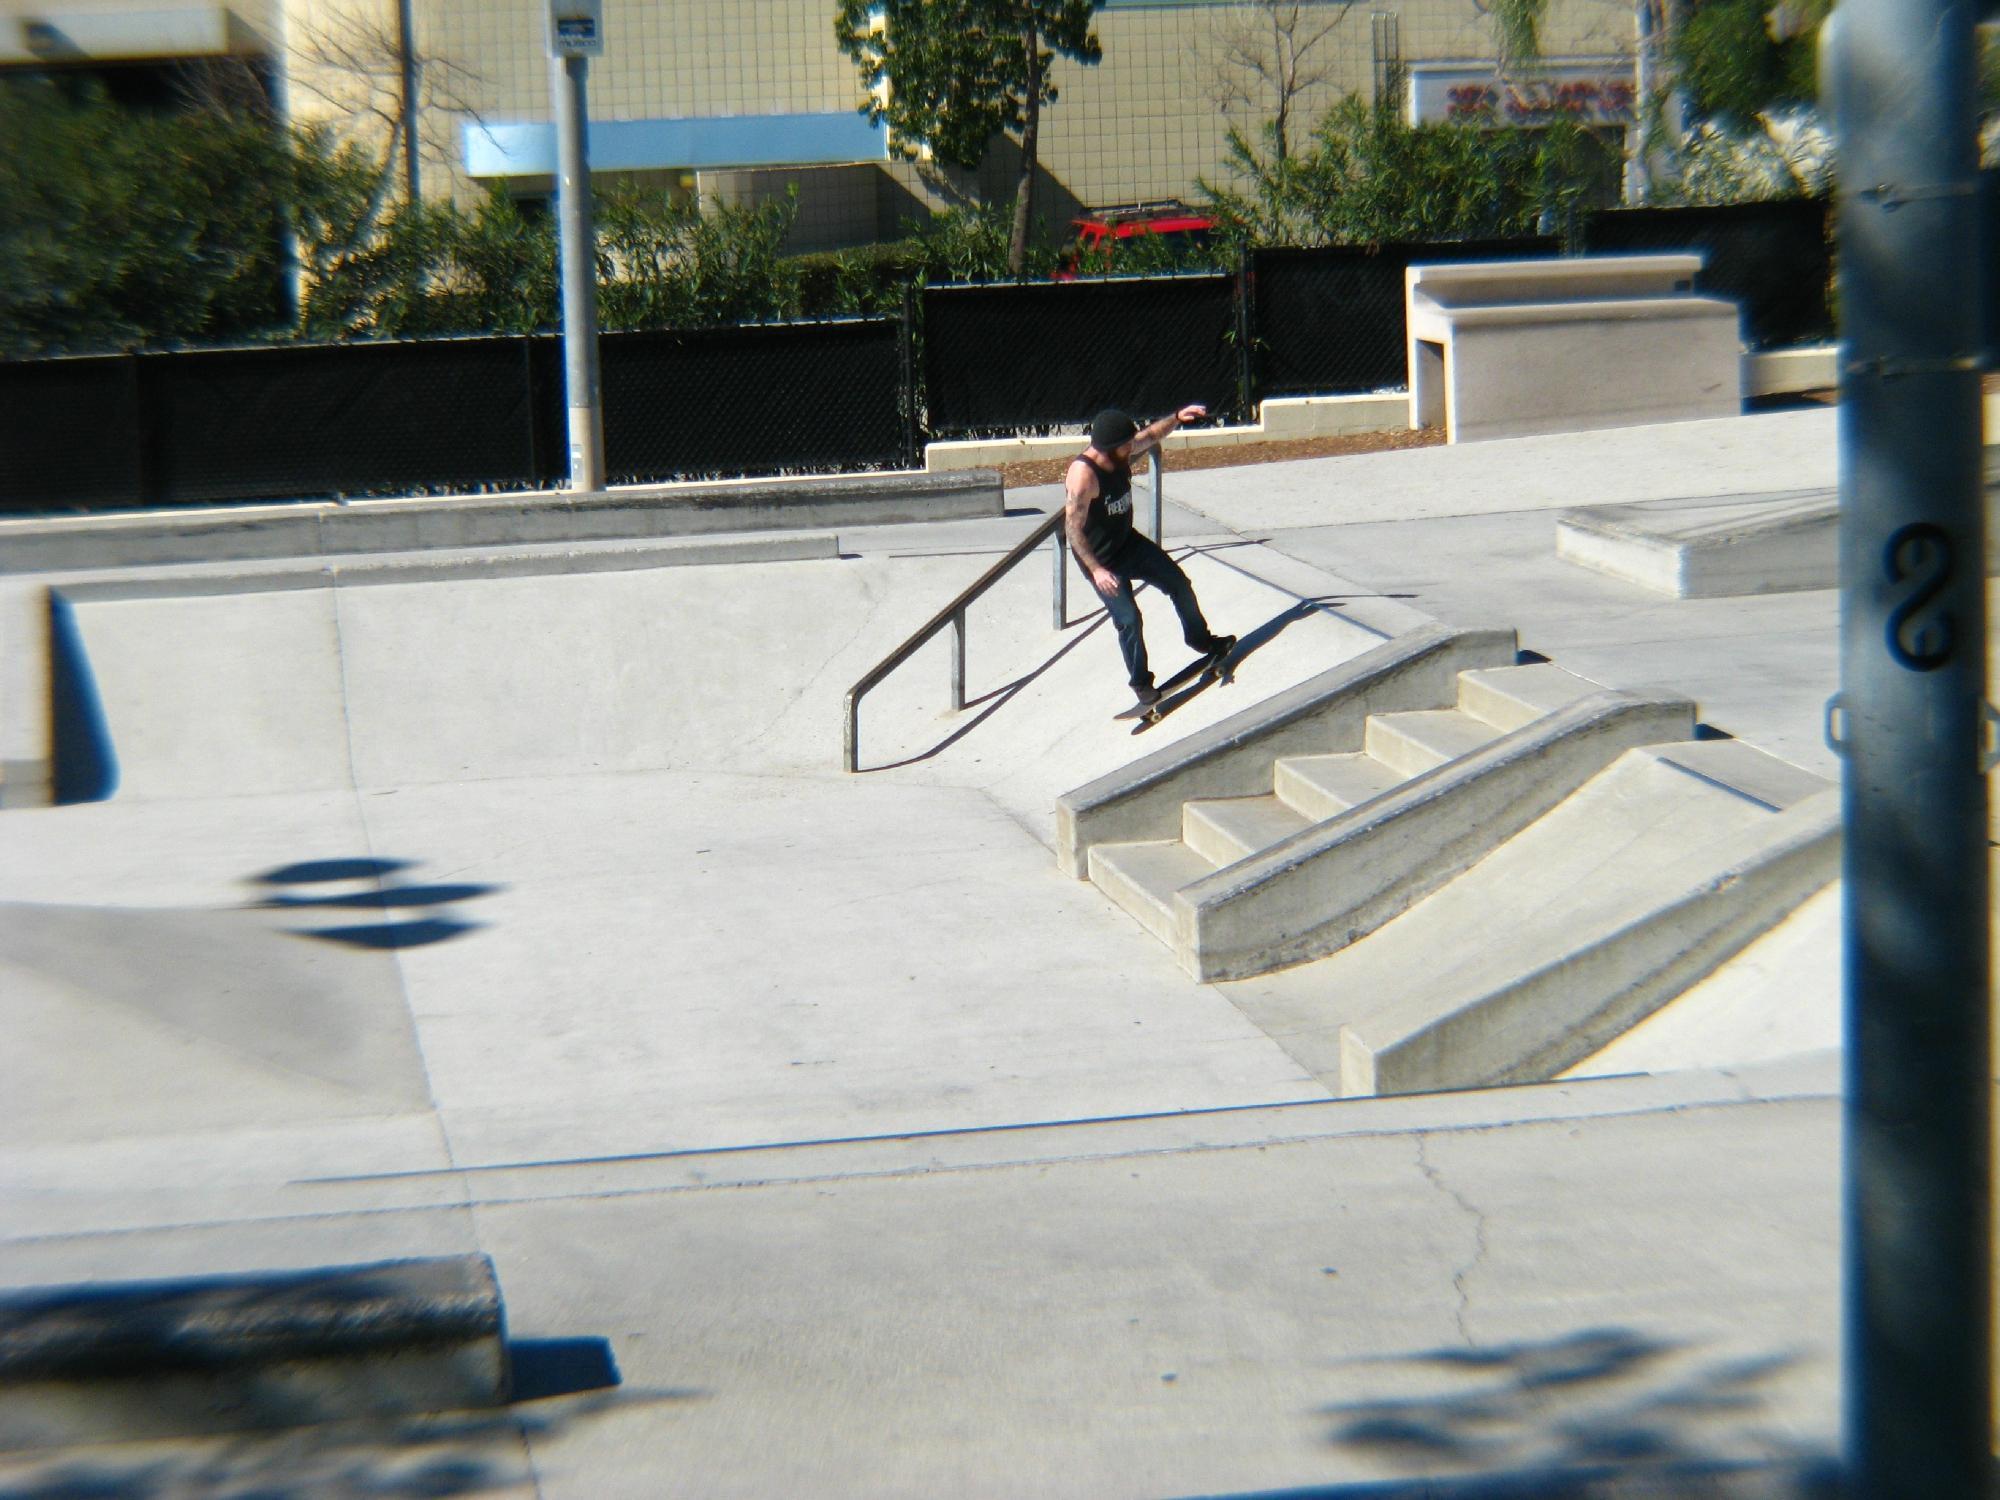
<point x="1233" y="758"/>
<point x="1283" y="418"/>
<point x="1623" y="310"/>
<point x="1571" y="1005"/>
<point x="1339" y="880"/>
<point x="83" y="1364"/>
<point x="266" y="532"/>
<point x="1725" y="546"/>
<point x="447" y="565"/>
<point x="1781" y="372"/>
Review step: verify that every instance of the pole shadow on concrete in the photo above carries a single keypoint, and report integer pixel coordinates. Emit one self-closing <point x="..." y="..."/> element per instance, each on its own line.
<point x="435" y="922"/>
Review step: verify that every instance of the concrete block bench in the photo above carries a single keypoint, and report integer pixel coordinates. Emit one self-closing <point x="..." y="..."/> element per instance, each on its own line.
<point x="1514" y="348"/>
<point x="132" y="1360"/>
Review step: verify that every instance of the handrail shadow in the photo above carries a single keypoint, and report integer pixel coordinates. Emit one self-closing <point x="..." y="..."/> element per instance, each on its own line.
<point x="1253" y="640"/>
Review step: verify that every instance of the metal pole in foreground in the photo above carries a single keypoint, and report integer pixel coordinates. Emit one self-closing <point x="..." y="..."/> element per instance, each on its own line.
<point x="579" y="275"/>
<point x="1918" y="1378"/>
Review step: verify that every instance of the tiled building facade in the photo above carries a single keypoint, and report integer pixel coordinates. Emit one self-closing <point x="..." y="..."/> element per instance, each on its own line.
<point x="738" y="98"/>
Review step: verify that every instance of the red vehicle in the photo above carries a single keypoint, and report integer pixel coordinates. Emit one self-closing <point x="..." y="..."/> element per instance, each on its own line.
<point x="1100" y="232"/>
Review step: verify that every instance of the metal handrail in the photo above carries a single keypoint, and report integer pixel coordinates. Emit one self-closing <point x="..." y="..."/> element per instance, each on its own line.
<point x="953" y="614"/>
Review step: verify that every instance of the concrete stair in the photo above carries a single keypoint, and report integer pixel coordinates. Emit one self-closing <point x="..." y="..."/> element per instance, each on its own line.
<point x="1347" y="837"/>
<point x="1482" y="888"/>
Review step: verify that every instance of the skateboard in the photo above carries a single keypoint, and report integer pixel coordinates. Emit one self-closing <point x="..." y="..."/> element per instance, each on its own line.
<point x="1180" y="687"/>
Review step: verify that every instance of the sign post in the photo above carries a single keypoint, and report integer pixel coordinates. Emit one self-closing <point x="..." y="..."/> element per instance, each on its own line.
<point x="1912" y="708"/>
<point x="575" y="35"/>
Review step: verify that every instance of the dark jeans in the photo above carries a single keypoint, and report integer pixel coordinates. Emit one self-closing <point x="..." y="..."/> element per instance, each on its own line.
<point x="1140" y="560"/>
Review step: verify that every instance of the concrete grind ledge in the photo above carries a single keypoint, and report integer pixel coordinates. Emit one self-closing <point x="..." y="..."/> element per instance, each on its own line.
<point x="98" y="1363"/>
<point x="319" y="529"/>
<point x="1418" y="669"/>
<point x="1341" y="879"/>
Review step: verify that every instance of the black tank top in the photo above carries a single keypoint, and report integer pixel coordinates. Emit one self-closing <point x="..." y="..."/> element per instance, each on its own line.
<point x="1108" y="522"/>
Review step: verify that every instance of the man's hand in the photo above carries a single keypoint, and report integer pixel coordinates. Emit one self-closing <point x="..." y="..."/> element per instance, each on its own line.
<point x="1104" y="581"/>
<point x="1189" y="414"/>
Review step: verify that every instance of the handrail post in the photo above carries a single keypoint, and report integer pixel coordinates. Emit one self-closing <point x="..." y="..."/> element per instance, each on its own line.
<point x="958" y="661"/>
<point x="1059" y="584"/>
<point x="850" y="749"/>
<point x="1159" y="476"/>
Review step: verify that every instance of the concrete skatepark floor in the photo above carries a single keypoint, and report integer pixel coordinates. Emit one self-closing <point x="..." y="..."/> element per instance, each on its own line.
<point x="888" y="1160"/>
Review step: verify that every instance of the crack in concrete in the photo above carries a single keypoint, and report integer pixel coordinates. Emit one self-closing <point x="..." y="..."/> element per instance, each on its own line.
<point x="1463" y="1274"/>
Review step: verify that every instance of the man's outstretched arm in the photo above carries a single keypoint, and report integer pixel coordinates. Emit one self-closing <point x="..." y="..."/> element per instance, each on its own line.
<point x="1147" y="438"/>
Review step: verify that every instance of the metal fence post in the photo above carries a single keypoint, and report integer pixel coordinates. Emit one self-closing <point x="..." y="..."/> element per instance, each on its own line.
<point x="907" y="341"/>
<point x="1246" y="394"/>
<point x="1159" y="472"/>
<point x="1917" y="1242"/>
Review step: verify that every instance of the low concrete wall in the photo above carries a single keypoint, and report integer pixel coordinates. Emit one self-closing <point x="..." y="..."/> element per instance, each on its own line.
<point x="239" y="533"/>
<point x="1233" y="758"/>
<point x="88" y="1364"/>
<point x="1341" y="879"/>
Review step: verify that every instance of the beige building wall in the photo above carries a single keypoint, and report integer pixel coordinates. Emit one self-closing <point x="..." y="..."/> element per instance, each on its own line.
<point x="1147" y="122"/>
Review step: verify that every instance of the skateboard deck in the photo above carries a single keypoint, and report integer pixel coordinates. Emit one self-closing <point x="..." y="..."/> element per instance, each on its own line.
<point x="1177" y="689"/>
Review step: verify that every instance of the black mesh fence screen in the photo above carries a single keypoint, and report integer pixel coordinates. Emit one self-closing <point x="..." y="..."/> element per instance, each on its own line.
<point x="302" y="423"/>
<point x="298" y="422"/>
<point x="751" y="400"/>
<point x="1329" y="320"/>
<point x="1018" y="357"/>
<point x="1774" y="260"/>
<point x="69" y="434"/>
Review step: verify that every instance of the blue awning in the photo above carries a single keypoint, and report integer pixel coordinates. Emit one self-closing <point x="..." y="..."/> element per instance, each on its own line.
<point x="697" y="143"/>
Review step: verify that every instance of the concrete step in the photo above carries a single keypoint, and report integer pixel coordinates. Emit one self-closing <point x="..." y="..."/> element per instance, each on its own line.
<point x="1323" y="786"/>
<point x="1416" y="742"/>
<point x="1508" y="697"/>
<point x="1635" y="887"/>
<point x="1226" y="829"/>
<point x="1142" y="878"/>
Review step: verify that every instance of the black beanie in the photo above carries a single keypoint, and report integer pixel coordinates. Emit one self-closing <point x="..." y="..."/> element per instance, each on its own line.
<point x="1110" y="428"/>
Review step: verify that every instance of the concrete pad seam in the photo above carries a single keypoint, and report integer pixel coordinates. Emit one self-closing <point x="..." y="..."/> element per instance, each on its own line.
<point x="368" y="840"/>
<point x="935" y="1168"/>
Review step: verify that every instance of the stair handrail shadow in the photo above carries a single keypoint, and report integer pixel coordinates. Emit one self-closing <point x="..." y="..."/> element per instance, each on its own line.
<point x="1000" y="697"/>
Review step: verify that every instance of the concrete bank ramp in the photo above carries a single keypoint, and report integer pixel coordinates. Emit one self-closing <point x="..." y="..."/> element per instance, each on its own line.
<point x="1633" y="889"/>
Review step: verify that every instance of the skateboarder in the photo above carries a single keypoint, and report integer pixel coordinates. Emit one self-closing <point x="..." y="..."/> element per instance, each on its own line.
<point x="1098" y="522"/>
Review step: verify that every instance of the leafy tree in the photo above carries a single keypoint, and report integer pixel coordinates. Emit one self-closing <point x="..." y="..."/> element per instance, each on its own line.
<point x="1737" y="58"/>
<point x="953" y="74"/>
<point x="120" y="229"/>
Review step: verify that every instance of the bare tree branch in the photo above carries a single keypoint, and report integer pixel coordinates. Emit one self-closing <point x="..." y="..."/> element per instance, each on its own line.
<point x="1269" y="57"/>
<point x="353" y="66"/>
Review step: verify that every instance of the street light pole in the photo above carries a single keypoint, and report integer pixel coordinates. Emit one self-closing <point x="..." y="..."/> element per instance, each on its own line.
<point x="575" y="36"/>
<point x="1918" y="1382"/>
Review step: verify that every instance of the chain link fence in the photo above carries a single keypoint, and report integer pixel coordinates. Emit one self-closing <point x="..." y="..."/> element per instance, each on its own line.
<point x="1034" y="357"/>
<point x="1773" y="260"/>
<point x="442" y="415"/>
<point x="1329" y="321"/>
<point x="446" y="415"/>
